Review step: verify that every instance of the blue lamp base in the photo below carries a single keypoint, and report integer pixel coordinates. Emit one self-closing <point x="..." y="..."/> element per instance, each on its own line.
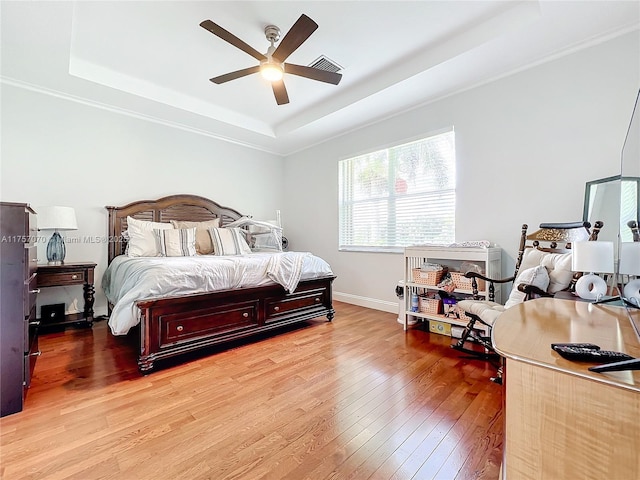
<point x="56" y="249"/>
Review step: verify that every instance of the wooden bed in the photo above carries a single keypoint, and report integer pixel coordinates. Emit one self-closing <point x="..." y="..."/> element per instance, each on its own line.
<point x="173" y="326"/>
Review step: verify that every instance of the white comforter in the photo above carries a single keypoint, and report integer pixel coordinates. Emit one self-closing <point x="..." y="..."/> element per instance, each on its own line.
<point x="128" y="280"/>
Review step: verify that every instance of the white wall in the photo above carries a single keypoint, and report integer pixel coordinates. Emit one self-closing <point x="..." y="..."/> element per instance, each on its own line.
<point x="58" y="152"/>
<point x="525" y="146"/>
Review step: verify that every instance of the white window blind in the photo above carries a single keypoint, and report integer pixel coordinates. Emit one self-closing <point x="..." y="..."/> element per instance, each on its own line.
<point x="403" y="195"/>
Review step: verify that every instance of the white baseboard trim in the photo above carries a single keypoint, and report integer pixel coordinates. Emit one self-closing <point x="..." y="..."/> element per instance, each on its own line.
<point x="385" y="306"/>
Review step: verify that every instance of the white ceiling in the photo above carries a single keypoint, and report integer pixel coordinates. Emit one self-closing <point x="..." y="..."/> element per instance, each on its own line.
<point x="152" y="59"/>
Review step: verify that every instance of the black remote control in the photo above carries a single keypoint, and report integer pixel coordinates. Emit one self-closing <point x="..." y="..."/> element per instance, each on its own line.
<point x="590" y="346"/>
<point x="591" y="355"/>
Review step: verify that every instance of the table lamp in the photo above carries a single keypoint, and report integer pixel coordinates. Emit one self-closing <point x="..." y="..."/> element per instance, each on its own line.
<point x="592" y="257"/>
<point x="56" y="218"/>
<point x="630" y="265"/>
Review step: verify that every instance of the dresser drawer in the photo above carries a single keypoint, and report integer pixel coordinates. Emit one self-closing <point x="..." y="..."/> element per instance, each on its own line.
<point x="207" y="322"/>
<point x="32" y="229"/>
<point x="278" y="309"/>
<point x="31" y="348"/>
<point x="67" y="277"/>
<point x="31" y="330"/>
<point x="30" y="293"/>
<point x="30" y="261"/>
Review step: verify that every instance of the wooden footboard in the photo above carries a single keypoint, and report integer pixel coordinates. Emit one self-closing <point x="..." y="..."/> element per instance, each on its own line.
<point x="174" y="326"/>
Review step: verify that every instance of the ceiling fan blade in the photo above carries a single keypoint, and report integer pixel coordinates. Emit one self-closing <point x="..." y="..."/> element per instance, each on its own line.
<point x="280" y="92"/>
<point x="313" y="73"/>
<point x="233" y="75"/>
<point x="218" y="31"/>
<point x="301" y="30"/>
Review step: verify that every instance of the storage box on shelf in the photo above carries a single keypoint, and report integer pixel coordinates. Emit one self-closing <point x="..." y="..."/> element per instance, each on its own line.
<point x="429" y="305"/>
<point x="429" y="277"/>
<point x="424" y="283"/>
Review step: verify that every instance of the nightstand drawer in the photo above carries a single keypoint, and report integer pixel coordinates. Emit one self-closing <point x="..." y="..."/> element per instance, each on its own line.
<point x="68" y="277"/>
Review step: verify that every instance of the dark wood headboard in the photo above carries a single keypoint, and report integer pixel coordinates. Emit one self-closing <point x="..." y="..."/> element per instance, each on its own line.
<point x="174" y="207"/>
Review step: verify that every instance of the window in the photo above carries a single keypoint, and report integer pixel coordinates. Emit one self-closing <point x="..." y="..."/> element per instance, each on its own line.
<point x="399" y="196"/>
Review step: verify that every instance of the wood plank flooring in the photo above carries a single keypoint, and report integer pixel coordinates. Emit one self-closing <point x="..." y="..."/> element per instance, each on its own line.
<point x="356" y="398"/>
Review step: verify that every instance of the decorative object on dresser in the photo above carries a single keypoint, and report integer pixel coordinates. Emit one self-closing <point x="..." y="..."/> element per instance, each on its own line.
<point x="543" y="268"/>
<point x="592" y="258"/>
<point x="18" y="292"/>
<point x="172" y="325"/>
<point x="56" y="218"/>
<point x="69" y="274"/>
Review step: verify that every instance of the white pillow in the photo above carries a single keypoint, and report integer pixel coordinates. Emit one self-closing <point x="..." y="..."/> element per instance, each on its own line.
<point x="177" y="242"/>
<point x="142" y="242"/>
<point x="536" y="276"/>
<point x="228" y="241"/>
<point x="558" y="267"/>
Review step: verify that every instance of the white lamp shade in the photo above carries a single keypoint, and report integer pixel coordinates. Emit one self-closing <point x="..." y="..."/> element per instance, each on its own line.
<point x="592" y="257"/>
<point x="629" y="258"/>
<point x="56" y="218"/>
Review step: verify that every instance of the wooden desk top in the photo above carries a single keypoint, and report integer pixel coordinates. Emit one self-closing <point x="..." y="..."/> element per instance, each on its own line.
<point x="525" y="333"/>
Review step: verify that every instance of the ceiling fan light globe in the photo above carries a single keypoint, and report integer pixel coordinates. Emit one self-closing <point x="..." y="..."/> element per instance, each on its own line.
<point x="271" y="72"/>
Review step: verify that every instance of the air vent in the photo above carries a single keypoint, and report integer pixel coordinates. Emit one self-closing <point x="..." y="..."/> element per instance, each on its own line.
<point x="324" y="63"/>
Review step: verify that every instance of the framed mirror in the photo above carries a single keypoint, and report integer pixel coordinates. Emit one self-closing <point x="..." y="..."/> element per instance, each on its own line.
<point x="630" y="212"/>
<point x="630" y="174"/>
<point x="616" y="201"/>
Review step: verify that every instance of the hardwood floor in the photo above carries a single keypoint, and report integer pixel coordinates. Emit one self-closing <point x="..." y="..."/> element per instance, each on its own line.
<point x="356" y="398"/>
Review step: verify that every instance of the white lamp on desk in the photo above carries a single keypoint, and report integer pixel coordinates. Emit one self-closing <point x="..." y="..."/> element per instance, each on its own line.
<point x="56" y="218"/>
<point x="630" y="265"/>
<point x="592" y="257"/>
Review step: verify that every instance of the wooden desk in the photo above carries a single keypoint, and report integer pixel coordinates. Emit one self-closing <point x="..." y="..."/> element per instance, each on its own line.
<point x="561" y="420"/>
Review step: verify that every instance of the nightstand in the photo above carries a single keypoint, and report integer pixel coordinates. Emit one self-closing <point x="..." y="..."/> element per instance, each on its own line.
<point x="65" y="275"/>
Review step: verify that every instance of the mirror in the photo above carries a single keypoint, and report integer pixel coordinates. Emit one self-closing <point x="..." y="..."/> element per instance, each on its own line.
<point x="629" y="201"/>
<point x="615" y="201"/>
<point x="602" y="202"/>
<point x="630" y="173"/>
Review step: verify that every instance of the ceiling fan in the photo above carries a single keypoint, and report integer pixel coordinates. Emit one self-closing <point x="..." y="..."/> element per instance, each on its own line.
<point x="272" y="65"/>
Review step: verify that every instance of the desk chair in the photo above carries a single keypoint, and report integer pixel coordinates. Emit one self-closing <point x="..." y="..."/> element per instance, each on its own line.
<point x="543" y="268"/>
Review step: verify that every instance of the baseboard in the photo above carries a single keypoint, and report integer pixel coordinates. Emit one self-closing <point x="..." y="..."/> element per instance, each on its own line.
<point x="385" y="306"/>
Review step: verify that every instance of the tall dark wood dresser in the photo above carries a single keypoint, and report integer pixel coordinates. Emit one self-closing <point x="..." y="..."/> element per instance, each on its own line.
<point x="18" y="291"/>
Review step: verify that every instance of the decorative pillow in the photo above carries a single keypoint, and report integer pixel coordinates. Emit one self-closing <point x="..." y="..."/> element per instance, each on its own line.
<point x="142" y="242"/>
<point x="203" y="239"/>
<point x="228" y="241"/>
<point x="177" y="242"/>
<point x="558" y="267"/>
<point x="536" y="276"/>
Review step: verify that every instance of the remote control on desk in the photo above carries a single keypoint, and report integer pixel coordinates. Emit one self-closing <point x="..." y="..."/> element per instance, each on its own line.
<point x="591" y="355"/>
<point x="590" y="346"/>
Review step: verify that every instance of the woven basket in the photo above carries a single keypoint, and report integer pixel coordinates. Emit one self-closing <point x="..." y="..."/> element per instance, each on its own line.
<point x="429" y="305"/>
<point x="463" y="283"/>
<point x="430" y="277"/>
